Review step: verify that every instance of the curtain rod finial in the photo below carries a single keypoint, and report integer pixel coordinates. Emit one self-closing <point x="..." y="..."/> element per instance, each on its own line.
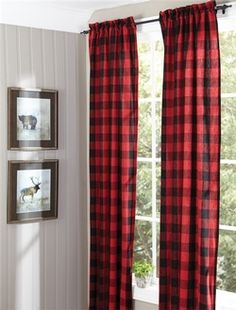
<point x="84" y="32"/>
<point x="223" y="8"/>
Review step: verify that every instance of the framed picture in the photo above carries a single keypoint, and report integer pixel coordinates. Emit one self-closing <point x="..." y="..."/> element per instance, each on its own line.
<point x="32" y="119"/>
<point x="32" y="191"/>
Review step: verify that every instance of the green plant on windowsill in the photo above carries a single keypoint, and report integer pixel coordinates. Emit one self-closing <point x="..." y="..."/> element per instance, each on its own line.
<point x="143" y="272"/>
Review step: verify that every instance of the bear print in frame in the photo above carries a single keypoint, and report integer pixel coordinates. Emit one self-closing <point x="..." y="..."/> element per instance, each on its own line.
<point x="32" y="119"/>
<point x="32" y="190"/>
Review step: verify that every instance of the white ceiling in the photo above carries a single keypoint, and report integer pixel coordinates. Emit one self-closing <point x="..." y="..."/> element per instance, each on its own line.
<point x="74" y="15"/>
<point x="67" y="15"/>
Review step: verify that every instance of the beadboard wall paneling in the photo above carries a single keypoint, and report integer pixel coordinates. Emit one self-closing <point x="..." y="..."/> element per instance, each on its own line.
<point x="44" y="265"/>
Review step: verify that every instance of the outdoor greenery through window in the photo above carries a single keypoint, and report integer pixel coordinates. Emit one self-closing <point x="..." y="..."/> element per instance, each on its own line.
<point x="148" y="186"/>
<point x="226" y="271"/>
<point x="149" y="151"/>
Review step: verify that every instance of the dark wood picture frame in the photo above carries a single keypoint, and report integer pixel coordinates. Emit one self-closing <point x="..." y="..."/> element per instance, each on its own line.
<point x="46" y="197"/>
<point x="22" y="129"/>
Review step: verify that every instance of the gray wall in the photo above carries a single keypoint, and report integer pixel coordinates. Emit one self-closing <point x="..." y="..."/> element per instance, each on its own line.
<point x="44" y="265"/>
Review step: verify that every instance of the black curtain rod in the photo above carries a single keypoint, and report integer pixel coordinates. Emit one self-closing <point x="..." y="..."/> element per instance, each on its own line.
<point x="222" y="8"/>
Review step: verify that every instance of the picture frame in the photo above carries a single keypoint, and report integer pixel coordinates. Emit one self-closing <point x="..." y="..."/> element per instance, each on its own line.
<point x="32" y="119"/>
<point x="32" y="190"/>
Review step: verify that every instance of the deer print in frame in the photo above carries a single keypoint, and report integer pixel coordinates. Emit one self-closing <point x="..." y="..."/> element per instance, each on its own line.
<point x="32" y="190"/>
<point x="29" y="191"/>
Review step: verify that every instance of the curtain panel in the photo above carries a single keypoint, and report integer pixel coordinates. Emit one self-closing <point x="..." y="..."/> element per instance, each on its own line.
<point x="113" y="161"/>
<point x="190" y="158"/>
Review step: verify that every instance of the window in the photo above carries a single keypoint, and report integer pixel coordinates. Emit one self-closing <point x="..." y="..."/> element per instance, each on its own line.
<point x="149" y="151"/>
<point x="148" y="186"/>
<point x="226" y="271"/>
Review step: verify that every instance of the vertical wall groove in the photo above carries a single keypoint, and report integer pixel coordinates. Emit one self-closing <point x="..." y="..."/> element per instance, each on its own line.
<point x="56" y="227"/>
<point x="3" y="232"/>
<point x="65" y="147"/>
<point x="42" y="226"/>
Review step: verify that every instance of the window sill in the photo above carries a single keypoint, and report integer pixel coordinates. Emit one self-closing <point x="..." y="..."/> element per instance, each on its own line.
<point x="150" y="295"/>
<point x="225" y="300"/>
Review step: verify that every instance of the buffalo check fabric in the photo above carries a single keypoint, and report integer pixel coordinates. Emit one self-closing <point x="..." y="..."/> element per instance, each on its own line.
<point x="190" y="158"/>
<point x="113" y="161"/>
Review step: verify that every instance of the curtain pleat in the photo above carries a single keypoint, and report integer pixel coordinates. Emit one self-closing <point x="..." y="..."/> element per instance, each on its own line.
<point x="113" y="161"/>
<point x="190" y="158"/>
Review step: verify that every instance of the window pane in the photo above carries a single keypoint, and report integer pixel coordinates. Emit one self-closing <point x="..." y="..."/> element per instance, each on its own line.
<point x="228" y="195"/>
<point x="228" y="128"/>
<point x="145" y="130"/>
<point x="226" y="269"/>
<point x="158" y="192"/>
<point x="228" y="61"/>
<point x="144" y="189"/>
<point x="158" y="249"/>
<point x="144" y="53"/>
<point x="158" y="65"/>
<point x="143" y="241"/>
<point x="158" y="129"/>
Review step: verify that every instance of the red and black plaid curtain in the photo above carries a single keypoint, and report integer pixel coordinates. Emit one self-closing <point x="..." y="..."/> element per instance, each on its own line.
<point x="190" y="158"/>
<point x="113" y="161"/>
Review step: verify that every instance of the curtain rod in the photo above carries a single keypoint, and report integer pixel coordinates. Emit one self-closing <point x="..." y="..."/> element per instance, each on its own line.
<point x="222" y="8"/>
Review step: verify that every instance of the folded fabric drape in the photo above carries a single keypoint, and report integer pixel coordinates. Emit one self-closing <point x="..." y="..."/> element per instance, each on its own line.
<point x="113" y="161"/>
<point x="190" y="158"/>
